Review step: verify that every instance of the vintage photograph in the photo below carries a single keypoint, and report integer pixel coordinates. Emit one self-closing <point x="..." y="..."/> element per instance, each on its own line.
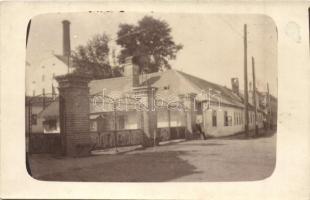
<point x="151" y="97"/>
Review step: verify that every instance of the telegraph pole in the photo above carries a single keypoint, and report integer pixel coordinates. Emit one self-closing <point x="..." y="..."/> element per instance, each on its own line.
<point x="246" y="102"/>
<point x="254" y="97"/>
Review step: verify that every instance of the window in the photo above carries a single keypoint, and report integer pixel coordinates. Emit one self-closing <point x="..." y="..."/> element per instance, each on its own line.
<point x="121" y="122"/>
<point x="214" y="122"/>
<point x="34" y="119"/>
<point x="199" y="107"/>
<point x="43" y="77"/>
<point x="238" y="120"/>
<point x="250" y="118"/>
<point x="50" y="125"/>
<point x="93" y="125"/>
<point x="225" y="119"/>
<point x="103" y="124"/>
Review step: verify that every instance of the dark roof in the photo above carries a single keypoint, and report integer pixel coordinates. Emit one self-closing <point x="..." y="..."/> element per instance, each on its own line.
<point x="119" y="84"/>
<point x="228" y="96"/>
<point x="51" y="111"/>
<point x="38" y="100"/>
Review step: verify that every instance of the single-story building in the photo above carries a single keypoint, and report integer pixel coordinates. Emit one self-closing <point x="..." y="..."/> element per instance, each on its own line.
<point x="218" y="109"/>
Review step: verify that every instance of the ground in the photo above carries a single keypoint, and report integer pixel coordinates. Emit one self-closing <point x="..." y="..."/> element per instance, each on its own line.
<point x="232" y="158"/>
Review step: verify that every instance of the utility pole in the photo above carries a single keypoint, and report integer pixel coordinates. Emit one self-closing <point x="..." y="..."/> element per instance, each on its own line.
<point x="254" y="97"/>
<point x="246" y="102"/>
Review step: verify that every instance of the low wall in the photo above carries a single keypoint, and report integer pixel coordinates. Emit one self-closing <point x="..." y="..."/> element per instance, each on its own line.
<point x="51" y="143"/>
<point x="124" y="138"/>
<point x="44" y="143"/>
<point x="175" y="133"/>
<point x="132" y="137"/>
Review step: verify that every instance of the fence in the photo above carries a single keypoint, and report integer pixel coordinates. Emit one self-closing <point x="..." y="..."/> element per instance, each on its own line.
<point x="38" y="142"/>
<point x="133" y="137"/>
<point x="123" y="138"/>
<point x="171" y="133"/>
<point x="44" y="143"/>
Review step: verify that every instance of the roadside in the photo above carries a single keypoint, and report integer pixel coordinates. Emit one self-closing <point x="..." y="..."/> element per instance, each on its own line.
<point x="217" y="159"/>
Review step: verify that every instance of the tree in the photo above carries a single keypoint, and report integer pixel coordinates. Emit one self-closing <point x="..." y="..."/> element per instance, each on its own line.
<point x="92" y="59"/>
<point x="149" y="43"/>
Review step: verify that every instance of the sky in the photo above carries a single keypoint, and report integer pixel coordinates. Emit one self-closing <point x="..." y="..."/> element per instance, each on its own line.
<point x="213" y="47"/>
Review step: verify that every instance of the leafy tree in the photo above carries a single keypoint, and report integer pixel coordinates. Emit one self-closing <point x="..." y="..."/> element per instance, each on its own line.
<point x="92" y="59"/>
<point x="150" y="43"/>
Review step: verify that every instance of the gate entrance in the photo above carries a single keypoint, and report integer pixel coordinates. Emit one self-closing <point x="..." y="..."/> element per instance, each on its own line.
<point x="42" y="132"/>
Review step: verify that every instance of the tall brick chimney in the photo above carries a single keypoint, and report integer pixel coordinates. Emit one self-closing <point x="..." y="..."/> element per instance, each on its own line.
<point x="132" y="70"/>
<point x="235" y="85"/>
<point x="66" y="38"/>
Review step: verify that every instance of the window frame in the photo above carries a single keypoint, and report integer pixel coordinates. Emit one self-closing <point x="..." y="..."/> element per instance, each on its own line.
<point x="214" y="118"/>
<point x="225" y="118"/>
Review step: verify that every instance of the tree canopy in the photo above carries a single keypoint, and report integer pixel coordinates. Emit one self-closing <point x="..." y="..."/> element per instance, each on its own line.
<point x="93" y="58"/>
<point x="150" y="44"/>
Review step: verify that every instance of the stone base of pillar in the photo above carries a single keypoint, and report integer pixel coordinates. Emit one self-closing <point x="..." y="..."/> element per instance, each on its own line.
<point x="149" y="142"/>
<point x="78" y="145"/>
<point x="188" y="134"/>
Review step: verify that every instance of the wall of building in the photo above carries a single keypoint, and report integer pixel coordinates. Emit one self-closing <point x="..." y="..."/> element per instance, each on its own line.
<point x="38" y="127"/>
<point x="235" y="121"/>
<point x="132" y="120"/>
<point x="40" y="75"/>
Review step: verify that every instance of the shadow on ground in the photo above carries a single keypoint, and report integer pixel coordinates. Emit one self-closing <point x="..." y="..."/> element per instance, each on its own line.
<point x="242" y="136"/>
<point x="204" y="144"/>
<point x="146" y="167"/>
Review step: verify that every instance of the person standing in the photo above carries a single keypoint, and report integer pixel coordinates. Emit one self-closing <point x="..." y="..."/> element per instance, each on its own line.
<point x="199" y="129"/>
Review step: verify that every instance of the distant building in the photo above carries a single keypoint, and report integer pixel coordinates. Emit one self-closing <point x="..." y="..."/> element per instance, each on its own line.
<point x="40" y="77"/>
<point x="34" y="106"/>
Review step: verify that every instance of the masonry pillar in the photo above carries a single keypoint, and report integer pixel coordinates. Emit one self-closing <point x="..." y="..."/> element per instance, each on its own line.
<point x="74" y="114"/>
<point x="146" y="95"/>
<point x="190" y="112"/>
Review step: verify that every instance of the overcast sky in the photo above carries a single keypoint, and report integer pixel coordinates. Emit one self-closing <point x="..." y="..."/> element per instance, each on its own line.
<point x="213" y="44"/>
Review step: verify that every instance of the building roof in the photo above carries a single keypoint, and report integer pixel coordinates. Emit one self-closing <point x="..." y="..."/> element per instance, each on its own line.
<point x="51" y="111"/>
<point x="170" y="84"/>
<point x="38" y="100"/>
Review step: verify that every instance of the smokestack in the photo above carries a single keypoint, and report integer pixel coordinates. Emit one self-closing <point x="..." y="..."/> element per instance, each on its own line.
<point x="66" y="38"/>
<point x="235" y="85"/>
<point x="132" y="70"/>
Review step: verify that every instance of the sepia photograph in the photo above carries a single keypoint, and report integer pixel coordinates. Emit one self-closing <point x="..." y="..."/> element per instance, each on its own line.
<point x="151" y="97"/>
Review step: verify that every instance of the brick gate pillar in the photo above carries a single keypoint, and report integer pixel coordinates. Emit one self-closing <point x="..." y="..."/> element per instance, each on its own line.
<point x="146" y="95"/>
<point x="190" y="112"/>
<point x="74" y="114"/>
